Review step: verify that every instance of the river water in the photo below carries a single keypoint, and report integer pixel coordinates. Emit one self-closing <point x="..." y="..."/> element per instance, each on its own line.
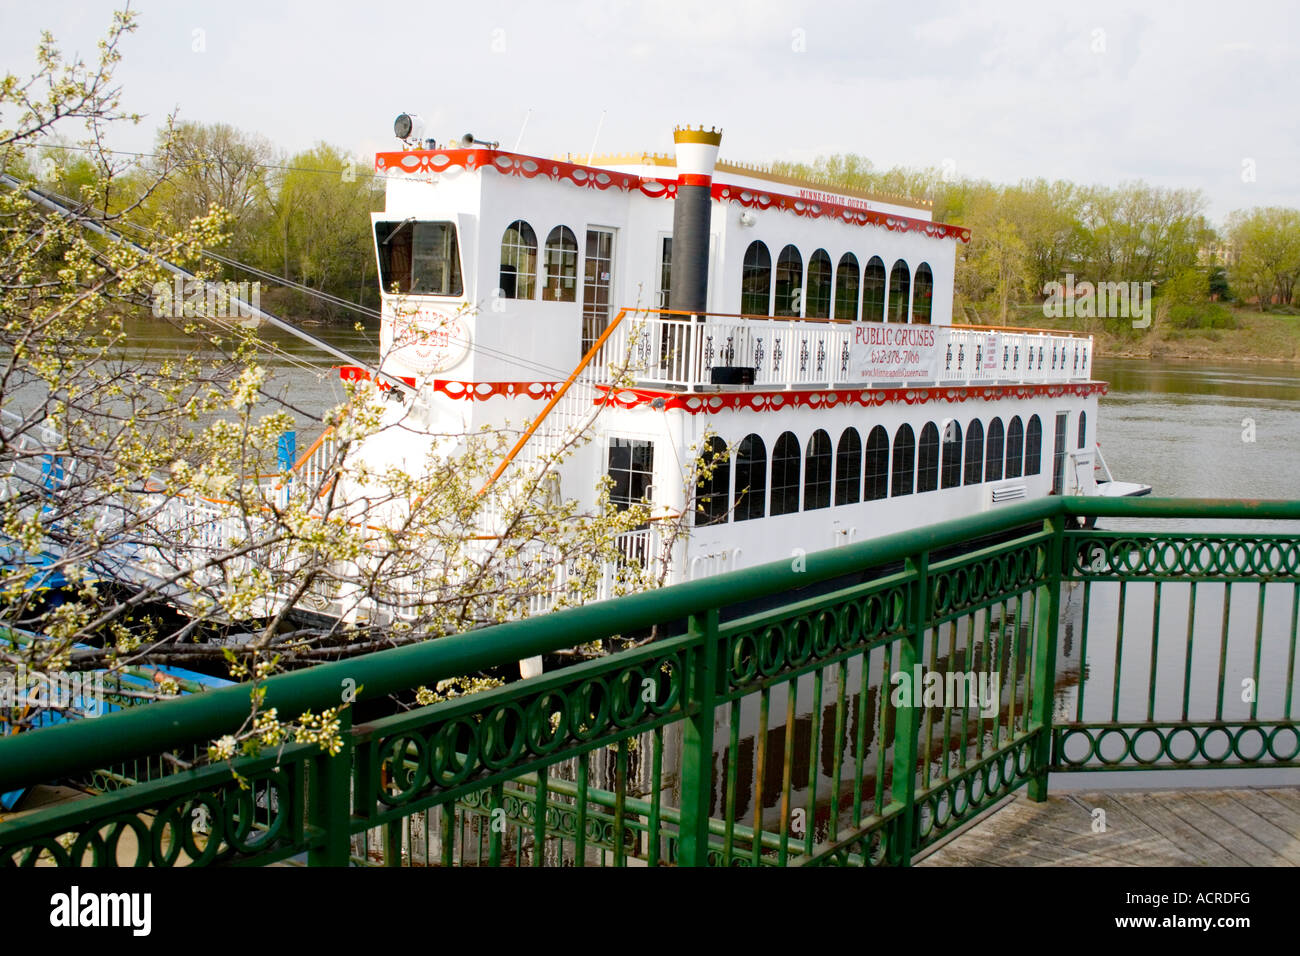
<point x="1202" y="431"/>
<point x="1227" y="430"/>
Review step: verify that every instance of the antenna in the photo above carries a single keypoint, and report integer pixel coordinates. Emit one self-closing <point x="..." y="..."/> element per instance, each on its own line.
<point x="596" y="137"/>
<point x="521" y="130"/>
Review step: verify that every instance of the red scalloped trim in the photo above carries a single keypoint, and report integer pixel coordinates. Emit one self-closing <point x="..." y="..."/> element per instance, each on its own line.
<point x="355" y="373"/>
<point x="711" y="403"/>
<point x="528" y="167"/>
<point x="482" y="391"/>
<point x="416" y="161"/>
<point x="695" y="403"/>
<point x="468" y="391"/>
<point x="754" y="198"/>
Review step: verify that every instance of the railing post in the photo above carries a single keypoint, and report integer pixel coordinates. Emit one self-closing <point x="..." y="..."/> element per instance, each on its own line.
<point x="697" y="741"/>
<point x="907" y="719"/>
<point x="330" y="804"/>
<point x="1048" y="605"/>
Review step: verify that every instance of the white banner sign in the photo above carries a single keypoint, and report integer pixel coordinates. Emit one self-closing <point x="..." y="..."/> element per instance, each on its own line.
<point x="897" y="353"/>
<point x="992" y="357"/>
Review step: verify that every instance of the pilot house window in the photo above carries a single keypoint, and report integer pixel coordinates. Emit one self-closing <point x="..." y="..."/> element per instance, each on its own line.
<point x="418" y="258"/>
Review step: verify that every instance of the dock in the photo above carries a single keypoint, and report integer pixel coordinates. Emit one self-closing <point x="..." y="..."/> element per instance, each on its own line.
<point x="1243" y="826"/>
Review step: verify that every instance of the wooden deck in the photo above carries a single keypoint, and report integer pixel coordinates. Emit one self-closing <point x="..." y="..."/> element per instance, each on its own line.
<point x="1242" y="827"/>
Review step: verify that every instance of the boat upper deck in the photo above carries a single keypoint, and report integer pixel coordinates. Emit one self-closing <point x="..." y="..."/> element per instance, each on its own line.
<point x="676" y="350"/>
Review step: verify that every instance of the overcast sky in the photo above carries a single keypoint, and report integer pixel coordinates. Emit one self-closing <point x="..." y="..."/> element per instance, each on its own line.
<point x="1195" y="94"/>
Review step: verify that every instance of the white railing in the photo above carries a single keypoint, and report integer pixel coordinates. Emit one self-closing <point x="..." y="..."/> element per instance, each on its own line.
<point x="312" y="467"/>
<point x="683" y="352"/>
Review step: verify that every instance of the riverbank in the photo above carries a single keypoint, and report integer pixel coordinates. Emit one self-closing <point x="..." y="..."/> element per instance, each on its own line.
<point x="1259" y="336"/>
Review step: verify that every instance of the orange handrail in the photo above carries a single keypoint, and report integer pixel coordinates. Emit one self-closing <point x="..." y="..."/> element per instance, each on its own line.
<point x="302" y="459"/>
<point x="555" y="399"/>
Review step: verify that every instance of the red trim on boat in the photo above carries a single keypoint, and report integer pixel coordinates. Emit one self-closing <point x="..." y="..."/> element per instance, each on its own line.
<point x="710" y="403"/>
<point x="418" y="162"/>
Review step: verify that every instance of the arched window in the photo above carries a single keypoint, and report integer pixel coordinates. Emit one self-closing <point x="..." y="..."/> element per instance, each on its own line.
<point x="561" y="266"/>
<point x="846" y="287"/>
<point x="817" y="472"/>
<point x="848" y="468"/>
<point x="927" y="459"/>
<point x="751" y="478"/>
<point x="756" y="282"/>
<point x="899" y="289"/>
<point x="974" y="452"/>
<point x="817" y="303"/>
<point x="993" y="452"/>
<point x="1034" y="446"/>
<point x="518" y="261"/>
<point x="1015" y="447"/>
<point x="873" y="291"/>
<point x="923" y="296"/>
<point x="713" y="494"/>
<point x="785" y="475"/>
<point x="1083" y="429"/>
<point x="789" y="282"/>
<point x="876" y="479"/>
<point x="950" y="476"/>
<point x="904" y="461"/>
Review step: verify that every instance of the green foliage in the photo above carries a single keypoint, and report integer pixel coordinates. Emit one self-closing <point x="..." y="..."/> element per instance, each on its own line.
<point x="1204" y="315"/>
<point x="318" y="230"/>
<point x="1217" y="281"/>
<point x="304" y="218"/>
<point x="155" y="486"/>
<point x="1188" y="287"/>
<point x="1035" y="232"/>
<point x="1265" y="244"/>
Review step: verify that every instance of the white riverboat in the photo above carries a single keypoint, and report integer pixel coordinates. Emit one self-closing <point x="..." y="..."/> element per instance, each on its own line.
<point x="806" y="328"/>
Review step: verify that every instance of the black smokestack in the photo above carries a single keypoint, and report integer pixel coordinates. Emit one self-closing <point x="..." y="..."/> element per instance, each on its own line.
<point x="688" y="281"/>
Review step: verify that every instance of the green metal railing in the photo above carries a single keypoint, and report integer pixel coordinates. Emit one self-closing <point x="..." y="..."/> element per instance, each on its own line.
<point x="772" y="730"/>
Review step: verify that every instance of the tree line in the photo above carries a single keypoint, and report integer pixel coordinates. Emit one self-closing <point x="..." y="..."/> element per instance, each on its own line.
<point x="1035" y="232"/>
<point x="299" y="217"/>
<point x="304" y="218"/>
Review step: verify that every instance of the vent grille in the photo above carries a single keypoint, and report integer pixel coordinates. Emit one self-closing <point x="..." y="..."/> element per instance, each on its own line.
<point x="1009" y="493"/>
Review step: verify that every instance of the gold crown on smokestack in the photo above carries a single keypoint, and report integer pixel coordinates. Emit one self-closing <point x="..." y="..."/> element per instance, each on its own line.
<point x="710" y="137"/>
<point x="697" y="152"/>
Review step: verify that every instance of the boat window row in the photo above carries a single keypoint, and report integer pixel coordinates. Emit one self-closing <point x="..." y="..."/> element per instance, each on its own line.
<point x="751" y="483"/>
<point x="826" y="289"/>
<point x="519" y="277"/>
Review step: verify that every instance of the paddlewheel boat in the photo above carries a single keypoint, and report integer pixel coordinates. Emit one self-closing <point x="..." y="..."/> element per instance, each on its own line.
<point x="805" y="328"/>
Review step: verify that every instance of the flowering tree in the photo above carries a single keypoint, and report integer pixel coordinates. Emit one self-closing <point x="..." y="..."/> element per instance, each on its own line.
<point x="147" y="519"/>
